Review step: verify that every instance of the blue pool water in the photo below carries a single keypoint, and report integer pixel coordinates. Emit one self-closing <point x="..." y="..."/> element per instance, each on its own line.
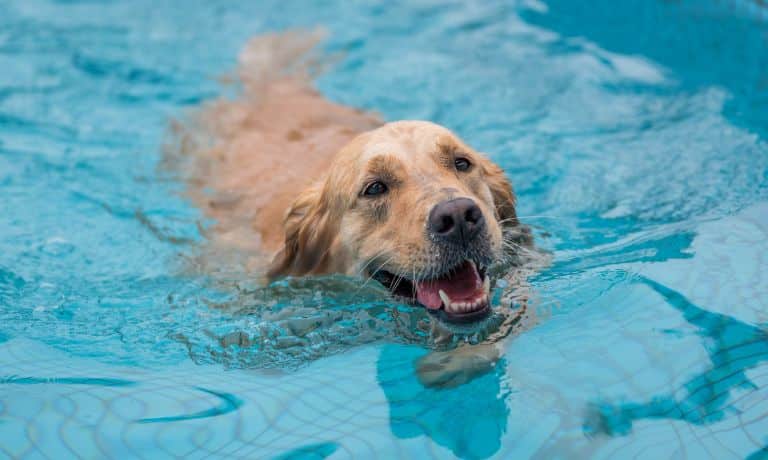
<point x="635" y="133"/>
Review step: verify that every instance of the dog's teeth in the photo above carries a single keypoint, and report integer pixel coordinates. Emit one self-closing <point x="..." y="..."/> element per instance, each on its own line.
<point x="487" y="285"/>
<point x="444" y="297"/>
<point x="464" y="306"/>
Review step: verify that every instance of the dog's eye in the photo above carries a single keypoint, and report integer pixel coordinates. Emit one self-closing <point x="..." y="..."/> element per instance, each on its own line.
<point x="461" y="164"/>
<point x="375" y="188"/>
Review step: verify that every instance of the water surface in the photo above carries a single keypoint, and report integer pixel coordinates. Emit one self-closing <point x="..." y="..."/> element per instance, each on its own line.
<point x="634" y="132"/>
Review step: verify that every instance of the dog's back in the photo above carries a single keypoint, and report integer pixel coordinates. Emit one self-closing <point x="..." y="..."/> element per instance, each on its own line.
<point x="247" y="158"/>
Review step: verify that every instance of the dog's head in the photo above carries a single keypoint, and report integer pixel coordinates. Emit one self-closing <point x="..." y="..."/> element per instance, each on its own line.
<point x="412" y="206"/>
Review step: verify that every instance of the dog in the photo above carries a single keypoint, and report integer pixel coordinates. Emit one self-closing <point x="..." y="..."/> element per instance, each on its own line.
<point x="299" y="185"/>
<point x="412" y="206"/>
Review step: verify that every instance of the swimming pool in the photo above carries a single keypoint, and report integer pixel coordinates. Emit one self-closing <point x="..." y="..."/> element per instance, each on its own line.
<point x="634" y="132"/>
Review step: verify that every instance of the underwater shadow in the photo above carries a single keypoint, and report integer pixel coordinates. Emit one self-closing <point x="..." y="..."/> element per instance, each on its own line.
<point x="469" y="419"/>
<point x="733" y="347"/>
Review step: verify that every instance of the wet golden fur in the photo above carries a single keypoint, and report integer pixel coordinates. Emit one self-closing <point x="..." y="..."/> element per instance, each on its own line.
<point x="280" y="170"/>
<point x="333" y="227"/>
<point x="246" y="159"/>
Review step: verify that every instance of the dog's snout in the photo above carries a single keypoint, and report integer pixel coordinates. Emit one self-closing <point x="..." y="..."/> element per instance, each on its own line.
<point x="457" y="221"/>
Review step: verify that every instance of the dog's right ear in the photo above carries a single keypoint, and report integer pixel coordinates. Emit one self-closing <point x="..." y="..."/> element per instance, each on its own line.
<point x="504" y="202"/>
<point x="501" y="190"/>
<point x="309" y="236"/>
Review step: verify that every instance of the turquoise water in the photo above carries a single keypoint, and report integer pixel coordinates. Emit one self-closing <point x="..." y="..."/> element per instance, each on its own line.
<point x="635" y="134"/>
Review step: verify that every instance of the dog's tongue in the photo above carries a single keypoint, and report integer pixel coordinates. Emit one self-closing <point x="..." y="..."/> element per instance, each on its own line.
<point x="461" y="284"/>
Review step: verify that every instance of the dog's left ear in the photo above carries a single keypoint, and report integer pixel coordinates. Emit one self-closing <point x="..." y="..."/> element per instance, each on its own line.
<point x="503" y="195"/>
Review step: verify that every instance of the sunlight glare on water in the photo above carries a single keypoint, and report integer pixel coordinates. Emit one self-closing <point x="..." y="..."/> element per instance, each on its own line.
<point x="634" y="133"/>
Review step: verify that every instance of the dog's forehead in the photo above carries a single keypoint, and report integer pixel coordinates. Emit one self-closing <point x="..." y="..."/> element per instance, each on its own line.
<point x="406" y="140"/>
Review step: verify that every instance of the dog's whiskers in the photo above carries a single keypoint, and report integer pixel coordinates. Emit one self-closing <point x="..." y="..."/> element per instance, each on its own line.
<point x="397" y="283"/>
<point x="541" y="216"/>
<point x="370" y="277"/>
<point x="361" y="270"/>
<point x="513" y="245"/>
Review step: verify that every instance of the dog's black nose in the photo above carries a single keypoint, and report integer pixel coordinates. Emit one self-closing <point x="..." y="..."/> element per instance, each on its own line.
<point x="456" y="221"/>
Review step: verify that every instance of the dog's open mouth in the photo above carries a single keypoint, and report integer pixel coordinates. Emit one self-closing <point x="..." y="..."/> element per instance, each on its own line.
<point x="461" y="295"/>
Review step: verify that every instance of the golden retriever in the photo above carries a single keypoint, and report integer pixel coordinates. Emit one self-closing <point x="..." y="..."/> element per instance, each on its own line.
<point x="410" y="205"/>
<point x="299" y="185"/>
